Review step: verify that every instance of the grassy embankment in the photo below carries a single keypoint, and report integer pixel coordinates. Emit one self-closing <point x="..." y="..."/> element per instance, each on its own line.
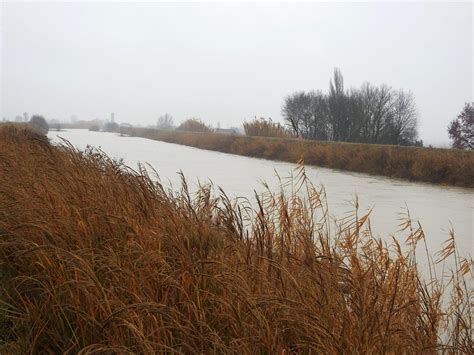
<point x="97" y="258"/>
<point x="438" y="166"/>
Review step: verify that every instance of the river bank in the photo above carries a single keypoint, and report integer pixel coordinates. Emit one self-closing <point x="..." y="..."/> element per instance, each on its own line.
<point x="432" y="165"/>
<point x="94" y="255"/>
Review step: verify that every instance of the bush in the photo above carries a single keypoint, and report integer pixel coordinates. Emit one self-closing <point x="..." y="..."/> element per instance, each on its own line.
<point x="194" y="125"/>
<point x="40" y="123"/>
<point x="266" y="128"/>
<point x="94" y="128"/>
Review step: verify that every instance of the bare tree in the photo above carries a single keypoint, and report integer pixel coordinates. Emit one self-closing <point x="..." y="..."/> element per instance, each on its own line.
<point x="374" y="107"/>
<point x="338" y="108"/>
<point x="382" y="108"/>
<point x="461" y="129"/>
<point x="317" y="120"/>
<point x="370" y="114"/>
<point x="293" y="110"/>
<point x="165" y="122"/>
<point x="402" y="122"/>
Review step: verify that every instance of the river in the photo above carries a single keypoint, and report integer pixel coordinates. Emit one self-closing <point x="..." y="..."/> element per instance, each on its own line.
<point x="437" y="208"/>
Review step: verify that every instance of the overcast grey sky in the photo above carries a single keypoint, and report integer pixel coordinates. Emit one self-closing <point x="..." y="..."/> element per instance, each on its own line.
<point x="229" y="62"/>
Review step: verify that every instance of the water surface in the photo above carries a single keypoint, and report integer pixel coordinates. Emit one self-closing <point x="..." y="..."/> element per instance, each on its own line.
<point x="437" y="208"/>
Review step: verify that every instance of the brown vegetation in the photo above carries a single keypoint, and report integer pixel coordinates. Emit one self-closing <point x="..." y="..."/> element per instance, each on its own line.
<point x="438" y="166"/>
<point x="39" y="123"/>
<point x="266" y="128"/>
<point x="194" y="125"/>
<point x="98" y="258"/>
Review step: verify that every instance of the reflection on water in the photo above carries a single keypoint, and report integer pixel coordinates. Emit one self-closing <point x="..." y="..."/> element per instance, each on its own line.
<point x="436" y="207"/>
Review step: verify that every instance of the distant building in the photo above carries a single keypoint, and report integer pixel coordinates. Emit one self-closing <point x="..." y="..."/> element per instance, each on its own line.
<point x="228" y="131"/>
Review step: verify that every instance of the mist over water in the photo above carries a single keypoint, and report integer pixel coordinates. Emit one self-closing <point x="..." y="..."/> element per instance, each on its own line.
<point x="437" y="208"/>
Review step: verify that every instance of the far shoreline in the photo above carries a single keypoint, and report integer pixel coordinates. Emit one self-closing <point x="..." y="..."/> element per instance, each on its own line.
<point x="437" y="166"/>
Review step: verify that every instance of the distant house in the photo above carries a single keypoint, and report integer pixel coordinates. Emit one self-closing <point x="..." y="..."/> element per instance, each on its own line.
<point x="228" y="131"/>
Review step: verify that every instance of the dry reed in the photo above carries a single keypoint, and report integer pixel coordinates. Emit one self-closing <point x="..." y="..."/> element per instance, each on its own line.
<point x="98" y="258"/>
<point x="266" y="128"/>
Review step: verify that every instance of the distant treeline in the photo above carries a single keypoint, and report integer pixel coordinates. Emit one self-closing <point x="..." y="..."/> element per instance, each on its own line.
<point x="369" y="114"/>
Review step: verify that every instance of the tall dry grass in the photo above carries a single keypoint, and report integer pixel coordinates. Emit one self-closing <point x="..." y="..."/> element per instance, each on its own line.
<point x="98" y="258"/>
<point x="266" y="128"/>
<point x="438" y="166"/>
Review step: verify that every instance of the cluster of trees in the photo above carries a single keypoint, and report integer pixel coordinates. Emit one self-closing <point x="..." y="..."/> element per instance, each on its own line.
<point x="110" y="126"/>
<point x="461" y="129"/>
<point x="166" y="122"/>
<point x="369" y="114"/>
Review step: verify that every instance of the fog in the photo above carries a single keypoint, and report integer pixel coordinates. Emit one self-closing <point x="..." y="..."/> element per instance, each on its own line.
<point x="226" y="63"/>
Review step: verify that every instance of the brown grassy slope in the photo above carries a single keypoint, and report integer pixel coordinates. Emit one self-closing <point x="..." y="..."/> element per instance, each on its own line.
<point x="96" y="258"/>
<point x="439" y="166"/>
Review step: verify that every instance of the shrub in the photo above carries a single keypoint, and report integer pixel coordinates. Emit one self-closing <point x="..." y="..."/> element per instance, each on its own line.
<point x="266" y="128"/>
<point x="40" y="123"/>
<point x="194" y="125"/>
